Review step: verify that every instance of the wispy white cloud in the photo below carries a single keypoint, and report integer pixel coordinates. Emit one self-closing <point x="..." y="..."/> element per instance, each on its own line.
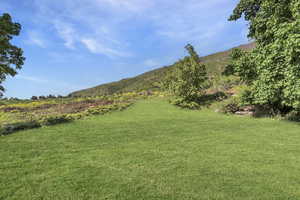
<point x="101" y="25"/>
<point x="96" y="47"/>
<point x="82" y="22"/>
<point x="35" y="38"/>
<point x="66" y="32"/>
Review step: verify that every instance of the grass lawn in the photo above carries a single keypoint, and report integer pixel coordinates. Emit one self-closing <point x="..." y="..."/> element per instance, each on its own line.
<point x="154" y="151"/>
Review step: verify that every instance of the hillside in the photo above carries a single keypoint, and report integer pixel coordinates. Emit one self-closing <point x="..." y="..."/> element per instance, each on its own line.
<point x="215" y="64"/>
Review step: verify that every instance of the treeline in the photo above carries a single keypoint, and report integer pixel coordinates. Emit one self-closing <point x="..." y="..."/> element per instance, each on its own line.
<point x="50" y="96"/>
<point x="35" y="98"/>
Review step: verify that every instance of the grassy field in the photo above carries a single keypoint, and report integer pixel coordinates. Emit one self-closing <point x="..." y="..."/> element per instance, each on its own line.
<point x="153" y="150"/>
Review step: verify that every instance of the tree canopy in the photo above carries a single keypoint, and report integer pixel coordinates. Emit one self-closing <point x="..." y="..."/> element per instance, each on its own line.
<point x="11" y="57"/>
<point x="188" y="80"/>
<point x="272" y="69"/>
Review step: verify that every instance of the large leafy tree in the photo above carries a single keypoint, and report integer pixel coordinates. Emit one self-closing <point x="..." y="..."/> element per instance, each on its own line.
<point x="11" y="57"/>
<point x="272" y="69"/>
<point x="189" y="78"/>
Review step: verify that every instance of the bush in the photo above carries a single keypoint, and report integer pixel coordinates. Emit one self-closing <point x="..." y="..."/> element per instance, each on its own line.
<point x="185" y="104"/>
<point x="236" y="102"/>
<point x="293" y="116"/>
<point x="244" y="95"/>
<point x="10" y="128"/>
<point x="75" y="116"/>
<point x="52" y="120"/>
<point x="224" y="83"/>
<point x="230" y="106"/>
<point x="105" y="109"/>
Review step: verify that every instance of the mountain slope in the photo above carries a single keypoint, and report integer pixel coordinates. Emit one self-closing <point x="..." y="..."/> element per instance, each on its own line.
<point x="215" y="64"/>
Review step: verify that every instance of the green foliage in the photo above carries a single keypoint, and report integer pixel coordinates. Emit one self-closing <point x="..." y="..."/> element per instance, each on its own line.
<point x="180" y="102"/>
<point x="244" y="95"/>
<point x="224" y="83"/>
<point x="10" y="128"/>
<point x="242" y="64"/>
<point x="53" y="120"/>
<point x="272" y="69"/>
<point x="11" y="57"/>
<point x="188" y="82"/>
<point x="229" y="106"/>
<point x="293" y="116"/>
<point x="233" y="104"/>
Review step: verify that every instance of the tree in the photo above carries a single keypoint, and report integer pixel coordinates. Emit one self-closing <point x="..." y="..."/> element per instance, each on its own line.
<point x="42" y="97"/>
<point x="188" y="80"/>
<point x="34" y="98"/>
<point x="272" y="69"/>
<point x="50" y="96"/>
<point x="11" y="57"/>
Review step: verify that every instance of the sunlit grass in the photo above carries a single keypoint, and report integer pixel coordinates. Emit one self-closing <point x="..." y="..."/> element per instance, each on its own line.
<point x="154" y="151"/>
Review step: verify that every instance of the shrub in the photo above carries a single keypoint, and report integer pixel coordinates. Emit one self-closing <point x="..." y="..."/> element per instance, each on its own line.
<point x="293" y="116"/>
<point x="10" y="128"/>
<point x="243" y="95"/>
<point x="224" y="83"/>
<point x="52" y="120"/>
<point x="185" y="104"/>
<point x="230" y="106"/>
<point x="75" y="116"/>
<point x="97" y="111"/>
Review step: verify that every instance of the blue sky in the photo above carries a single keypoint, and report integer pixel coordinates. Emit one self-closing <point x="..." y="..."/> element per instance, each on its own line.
<point x="76" y="44"/>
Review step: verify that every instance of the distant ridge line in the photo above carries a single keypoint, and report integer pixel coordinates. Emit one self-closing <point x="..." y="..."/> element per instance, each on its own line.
<point x="215" y="64"/>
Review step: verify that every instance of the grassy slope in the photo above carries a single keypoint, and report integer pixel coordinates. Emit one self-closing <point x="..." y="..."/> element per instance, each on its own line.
<point x="215" y="64"/>
<point x="154" y="151"/>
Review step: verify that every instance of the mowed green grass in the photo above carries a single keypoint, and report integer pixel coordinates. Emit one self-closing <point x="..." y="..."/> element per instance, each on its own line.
<point x="154" y="150"/>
